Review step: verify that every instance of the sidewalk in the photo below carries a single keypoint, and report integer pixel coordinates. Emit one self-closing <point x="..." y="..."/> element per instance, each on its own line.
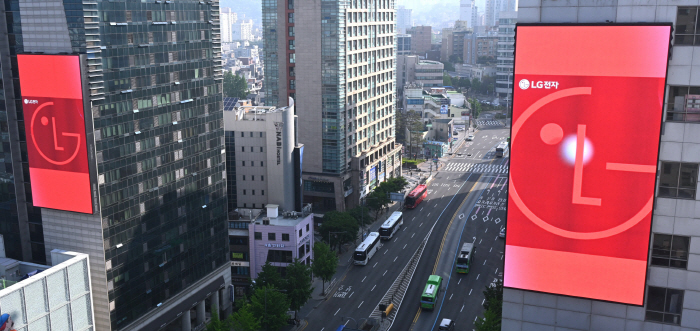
<point x="344" y="265"/>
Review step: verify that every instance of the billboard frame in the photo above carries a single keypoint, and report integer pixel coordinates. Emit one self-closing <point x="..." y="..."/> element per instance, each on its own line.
<point x="658" y="152"/>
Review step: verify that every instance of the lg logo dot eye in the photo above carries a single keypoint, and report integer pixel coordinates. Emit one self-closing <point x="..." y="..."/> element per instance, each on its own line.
<point x="524" y="84"/>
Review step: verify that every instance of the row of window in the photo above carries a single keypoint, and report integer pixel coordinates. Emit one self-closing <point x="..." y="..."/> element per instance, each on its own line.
<point x="251" y="149"/>
<point x="285" y="236"/>
<point x="245" y="192"/>
<point x="252" y="177"/>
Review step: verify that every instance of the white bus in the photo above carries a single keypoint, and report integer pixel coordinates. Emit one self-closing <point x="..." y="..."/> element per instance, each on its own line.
<point x="501" y="149"/>
<point x="391" y="225"/>
<point x="367" y="248"/>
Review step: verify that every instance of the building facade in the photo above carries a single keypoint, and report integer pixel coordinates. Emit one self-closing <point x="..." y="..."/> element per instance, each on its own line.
<point x="346" y="110"/>
<point x="490" y="13"/>
<point x="403" y="44"/>
<point x="53" y="298"/>
<point x="412" y="70"/>
<point x="467" y="12"/>
<point x="150" y="78"/>
<point x="421" y="39"/>
<point x="672" y="298"/>
<point x="505" y="56"/>
<point x="242" y="30"/>
<point x="479" y="46"/>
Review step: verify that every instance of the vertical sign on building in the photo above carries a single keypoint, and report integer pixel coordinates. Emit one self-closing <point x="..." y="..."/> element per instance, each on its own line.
<point x="54" y="121"/>
<point x="588" y="102"/>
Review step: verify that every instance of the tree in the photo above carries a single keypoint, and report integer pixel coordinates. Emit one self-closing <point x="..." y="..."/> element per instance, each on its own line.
<point x="476" y="85"/>
<point x="243" y="320"/>
<point x="298" y="285"/>
<point x="218" y="325"/>
<point x="448" y="66"/>
<point x="269" y="276"/>
<point x="493" y="302"/>
<point x="411" y="121"/>
<point x="490" y="322"/>
<point x="361" y="215"/>
<point x="338" y="228"/>
<point x="446" y="80"/>
<point x="270" y="306"/>
<point x="454" y="58"/>
<point x="395" y="184"/>
<point x="476" y="107"/>
<point x="235" y="86"/>
<point x="325" y="263"/>
<point x="377" y="200"/>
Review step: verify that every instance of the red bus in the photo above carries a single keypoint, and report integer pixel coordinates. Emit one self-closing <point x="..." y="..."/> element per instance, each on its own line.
<point x="416" y="196"/>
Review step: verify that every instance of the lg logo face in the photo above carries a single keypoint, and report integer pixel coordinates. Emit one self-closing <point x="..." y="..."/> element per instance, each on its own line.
<point x="525" y="84"/>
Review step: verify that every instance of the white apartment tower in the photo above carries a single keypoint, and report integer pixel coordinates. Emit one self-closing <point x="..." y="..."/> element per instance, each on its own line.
<point x="242" y="30"/>
<point x="403" y="19"/>
<point x="489" y="13"/>
<point x="228" y="18"/>
<point x="672" y="294"/>
<point x="467" y="12"/>
<point x="505" y="56"/>
<point x="337" y="59"/>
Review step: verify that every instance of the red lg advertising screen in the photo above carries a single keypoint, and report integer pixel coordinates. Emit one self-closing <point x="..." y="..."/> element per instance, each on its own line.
<point x="54" y="122"/>
<point x="587" y="110"/>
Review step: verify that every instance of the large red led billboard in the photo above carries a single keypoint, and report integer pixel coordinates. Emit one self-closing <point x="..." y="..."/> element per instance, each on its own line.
<point x="54" y="122"/>
<point x="587" y="110"/>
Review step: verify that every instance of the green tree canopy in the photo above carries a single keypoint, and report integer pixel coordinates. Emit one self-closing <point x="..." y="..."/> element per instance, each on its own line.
<point x="270" y="306"/>
<point x="446" y="80"/>
<point x="244" y="320"/>
<point x="298" y="285"/>
<point x="448" y="66"/>
<point x="339" y="227"/>
<point x="361" y="215"/>
<point x="325" y="263"/>
<point x="216" y="324"/>
<point x="493" y="303"/>
<point x="235" y="86"/>
<point x="269" y="276"/>
<point x="395" y="184"/>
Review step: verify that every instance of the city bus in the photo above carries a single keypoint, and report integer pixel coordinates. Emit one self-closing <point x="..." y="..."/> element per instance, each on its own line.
<point x="430" y="294"/>
<point x="501" y="149"/>
<point x="416" y="196"/>
<point x="391" y="225"/>
<point x="367" y="248"/>
<point x="464" y="259"/>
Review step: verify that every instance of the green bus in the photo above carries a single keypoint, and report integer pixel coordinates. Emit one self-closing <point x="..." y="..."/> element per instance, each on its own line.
<point x="464" y="260"/>
<point x="432" y="290"/>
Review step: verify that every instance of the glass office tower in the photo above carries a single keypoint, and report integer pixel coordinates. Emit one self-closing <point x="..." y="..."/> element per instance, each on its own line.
<point x="152" y="75"/>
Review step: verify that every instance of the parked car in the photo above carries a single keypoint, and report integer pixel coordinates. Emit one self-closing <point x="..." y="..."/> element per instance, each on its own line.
<point x="455" y="132"/>
<point x="470" y="137"/>
<point x="502" y="234"/>
<point x="447" y="325"/>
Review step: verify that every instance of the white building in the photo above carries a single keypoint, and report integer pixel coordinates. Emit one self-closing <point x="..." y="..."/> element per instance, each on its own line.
<point x="467" y="12"/>
<point x="506" y="46"/>
<point x="242" y="30"/>
<point x="403" y="19"/>
<point x="228" y="18"/>
<point x="489" y="14"/>
<point x="672" y="298"/>
<point x="502" y="6"/>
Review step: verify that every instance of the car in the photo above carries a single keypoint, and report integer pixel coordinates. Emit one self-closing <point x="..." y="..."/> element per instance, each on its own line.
<point x="502" y="234"/>
<point x="470" y="137"/>
<point x="455" y="132"/>
<point x="460" y="129"/>
<point x="447" y="324"/>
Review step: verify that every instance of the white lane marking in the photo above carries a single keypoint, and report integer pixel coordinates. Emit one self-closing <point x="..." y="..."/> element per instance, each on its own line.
<point x="490" y="249"/>
<point x="436" y="205"/>
<point x="477" y="276"/>
<point x="421" y="209"/>
<point x="336" y="313"/>
<point x="413" y="235"/>
<point x="395" y="258"/>
<point x="460" y="280"/>
<point x="451" y="296"/>
<point x="496" y="271"/>
<point x="428" y="214"/>
<point x="420" y="224"/>
<point x="404" y="229"/>
<point x="404" y="246"/>
<point x="386" y="251"/>
<point x="351" y="295"/>
<point x="373" y="288"/>
<point x="363" y="279"/>
<point x="501" y="256"/>
<point x="413" y="218"/>
<point x="375" y="264"/>
<point x="470" y="291"/>
<point x="385" y="272"/>
<point x="482" y="302"/>
<point x="480" y="240"/>
<point x="360" y="305"/>
<point x="486" y="230"/>
<point x="459" y="310"/>
<point x="484" y="262"/>
<point x="346" y="322"/>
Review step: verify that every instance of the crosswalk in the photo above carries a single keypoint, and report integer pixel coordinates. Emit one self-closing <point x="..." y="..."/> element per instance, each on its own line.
<point x="476" y="167"/>
<point x="489" y="123"/>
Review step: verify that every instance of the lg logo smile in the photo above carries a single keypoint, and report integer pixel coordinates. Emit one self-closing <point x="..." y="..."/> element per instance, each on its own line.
<point x="525" y="84"/>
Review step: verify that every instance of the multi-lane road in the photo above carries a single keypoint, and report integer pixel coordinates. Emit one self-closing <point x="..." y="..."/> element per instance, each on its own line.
<point x="463" y="203"/>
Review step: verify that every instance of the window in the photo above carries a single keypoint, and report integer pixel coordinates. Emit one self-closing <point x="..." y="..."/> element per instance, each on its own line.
<point x="243" y="192"/>
<point x="253" y="191"/>
<point x="275" y="255"/>
<point x="678" y="180"/>
<point x="300" y="233"/>
<point x="243" y="177"/>
<point x="291" y="31"/>
<point x="261" y="164"/>
<point x="238" y="225"/>
<point x="261" y="150"/>
<point x="251" y="149"/>
<point x="251" y="134"/>
<point x="262" y="178"/>
<point x="258" y="236"/>
<point x="285" y="237"/>
<point x="243" y="163"/>
<point x="664" y="305"/>
<point x="686" y="26"/>
<point x="238" y="240"/>
<point x="290" y="17"/>
<point x="261" y="137"/>
<point x="263" y="192"/>
<point x="670" y="251"/>
<point x="290" y="4"/>
<point x="307" y="227"/>
<point x="291" y="44"/>
<point x="242" y="134"/>
<point x="271" y="236"/>
<point x="292" y="58"/>
<point x="683" y="104"/>
<point x="252" y="177"/>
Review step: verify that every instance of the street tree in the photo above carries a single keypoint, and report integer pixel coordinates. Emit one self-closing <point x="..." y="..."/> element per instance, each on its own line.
<point x="269" y="276"/>
<point x="446" y="80"/>
<point x="269" y="306"/>
<point x="490" y="322"/>
<point x="325" y="263"/>
<point x="218" y="325"/>
<point x="378" y="199"/>
<point x="493" y="303"/>
<point x="476" y="107"/>
<point x="235" y="86"/>
<point x="361" y="215"/>
<point x="298" y="285"/>
<point x="396" y="184"/>
<point x="244" y="320"/>
<point x="338" y="228"/>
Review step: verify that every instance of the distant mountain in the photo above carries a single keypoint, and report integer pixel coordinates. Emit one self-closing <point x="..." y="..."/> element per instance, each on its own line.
<point x="252" y="9"/>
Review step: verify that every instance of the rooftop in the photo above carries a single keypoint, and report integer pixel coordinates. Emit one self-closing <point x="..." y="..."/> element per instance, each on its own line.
<point x="282" y="218"/>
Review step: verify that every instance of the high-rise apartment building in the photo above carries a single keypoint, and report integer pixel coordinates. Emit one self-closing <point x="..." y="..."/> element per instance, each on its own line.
<point x="502" y="6"/>
<point x="338" y="60"/>
<point x="490" y="13"/>
<point x="403" y="19"/>
<point x="505" y="57"/>
<point x="467" y="12"/>
<point x="136" y="88"/>
<point x="242" y="30"/>
<point x="421" y="39"/>
<point x="672" y="289"/>
<point x="228" y="18"/>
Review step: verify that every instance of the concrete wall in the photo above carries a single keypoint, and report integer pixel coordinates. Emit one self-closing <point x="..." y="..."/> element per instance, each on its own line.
<point x="259" y="250"/>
